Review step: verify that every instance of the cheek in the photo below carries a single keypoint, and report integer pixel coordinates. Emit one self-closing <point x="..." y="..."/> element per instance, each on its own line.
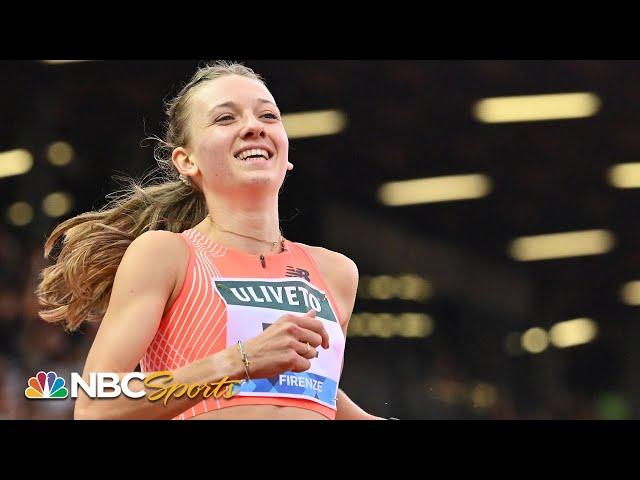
<point x="213" y="153"/>
<point x="282" y="142"/>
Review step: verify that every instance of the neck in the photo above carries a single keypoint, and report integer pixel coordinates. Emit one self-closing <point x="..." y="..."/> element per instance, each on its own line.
<point x="255" y="218"/>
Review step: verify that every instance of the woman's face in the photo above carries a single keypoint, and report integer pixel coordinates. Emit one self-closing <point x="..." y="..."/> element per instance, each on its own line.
<point x="236" y="136"/>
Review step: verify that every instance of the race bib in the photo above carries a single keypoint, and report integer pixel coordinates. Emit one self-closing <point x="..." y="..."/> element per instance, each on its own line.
<point x="255" y="304"/>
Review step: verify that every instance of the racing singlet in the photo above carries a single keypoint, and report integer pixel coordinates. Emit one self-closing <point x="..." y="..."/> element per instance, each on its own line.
<point x="228" y="295"/>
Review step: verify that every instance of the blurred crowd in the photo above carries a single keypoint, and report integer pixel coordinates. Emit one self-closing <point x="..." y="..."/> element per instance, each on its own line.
<point x="27" y="343"/>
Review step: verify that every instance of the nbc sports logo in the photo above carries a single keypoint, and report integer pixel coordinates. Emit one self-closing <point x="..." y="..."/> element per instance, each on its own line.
<point x="46" y="385"/>
<point x="109" y="385"/>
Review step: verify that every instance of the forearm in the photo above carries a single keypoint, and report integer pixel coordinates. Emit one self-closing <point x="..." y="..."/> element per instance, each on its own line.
<point x="207" y="371"/>
<point x="348" y="410"/>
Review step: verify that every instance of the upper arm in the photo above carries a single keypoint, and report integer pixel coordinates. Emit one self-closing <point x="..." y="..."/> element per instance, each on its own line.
<point x="347" y="281"/>
<point x="143" y="283"/>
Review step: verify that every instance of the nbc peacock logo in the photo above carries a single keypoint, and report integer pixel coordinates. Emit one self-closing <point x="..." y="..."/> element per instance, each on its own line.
<point x="46" y="386"/>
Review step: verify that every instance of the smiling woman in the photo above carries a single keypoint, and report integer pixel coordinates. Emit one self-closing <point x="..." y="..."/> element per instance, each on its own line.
<point x="191" y="275"/>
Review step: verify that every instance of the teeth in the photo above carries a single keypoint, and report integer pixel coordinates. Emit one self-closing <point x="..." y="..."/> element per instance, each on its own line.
<point x="254" y="151"/>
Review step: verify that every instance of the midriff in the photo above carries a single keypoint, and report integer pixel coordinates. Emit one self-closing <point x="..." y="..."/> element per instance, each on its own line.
<point x="260" y="412"/>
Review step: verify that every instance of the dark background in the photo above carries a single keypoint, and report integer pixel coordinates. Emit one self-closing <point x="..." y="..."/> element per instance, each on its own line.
<point x="406" y="119"/>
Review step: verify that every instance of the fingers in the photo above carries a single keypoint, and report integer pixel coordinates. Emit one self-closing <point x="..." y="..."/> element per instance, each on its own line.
<point x="310" y="336"/>
<point x="308" y="322"/>
<point x="301" y="365"/>
<point x="304" y="349"/>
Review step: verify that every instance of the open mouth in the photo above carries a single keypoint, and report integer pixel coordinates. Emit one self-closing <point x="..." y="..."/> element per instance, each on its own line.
<point x="254" y="154"/>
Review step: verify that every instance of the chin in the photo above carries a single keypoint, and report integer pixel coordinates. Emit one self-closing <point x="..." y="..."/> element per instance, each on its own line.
<point x="261" y="179"/>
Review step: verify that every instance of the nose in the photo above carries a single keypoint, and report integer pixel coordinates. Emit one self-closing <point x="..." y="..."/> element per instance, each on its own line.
<point x="253" y="127"/>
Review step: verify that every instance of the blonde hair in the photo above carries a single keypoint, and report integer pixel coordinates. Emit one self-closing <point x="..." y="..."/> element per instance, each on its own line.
<point x="77" y="287"/>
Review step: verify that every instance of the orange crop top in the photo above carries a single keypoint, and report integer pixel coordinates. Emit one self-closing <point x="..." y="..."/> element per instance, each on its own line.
<point x="229" y="295"/>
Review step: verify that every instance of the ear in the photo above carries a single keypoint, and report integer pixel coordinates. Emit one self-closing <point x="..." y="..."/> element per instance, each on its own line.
<point x="183" y="162"/>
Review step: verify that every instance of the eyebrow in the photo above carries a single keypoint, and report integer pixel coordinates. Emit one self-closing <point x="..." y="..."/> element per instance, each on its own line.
<point x="235" y="105"/>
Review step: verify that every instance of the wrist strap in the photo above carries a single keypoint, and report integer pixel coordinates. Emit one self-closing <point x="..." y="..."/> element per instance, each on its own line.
<point x="245" y="360"/>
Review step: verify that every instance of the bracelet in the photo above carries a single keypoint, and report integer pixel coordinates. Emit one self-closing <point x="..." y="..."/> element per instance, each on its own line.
<point x="245" y="360"/>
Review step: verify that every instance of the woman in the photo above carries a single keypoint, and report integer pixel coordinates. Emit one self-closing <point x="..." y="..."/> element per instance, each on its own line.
<point x="192" y="275"/>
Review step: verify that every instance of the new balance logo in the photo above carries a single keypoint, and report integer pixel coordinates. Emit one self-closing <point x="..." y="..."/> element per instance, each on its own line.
<point x="297" y="272"/>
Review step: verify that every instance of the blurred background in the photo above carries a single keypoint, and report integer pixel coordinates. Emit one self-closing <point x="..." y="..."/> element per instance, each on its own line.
<point x="488" y="205"/>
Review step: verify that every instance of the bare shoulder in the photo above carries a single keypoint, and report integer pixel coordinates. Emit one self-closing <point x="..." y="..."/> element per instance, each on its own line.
<point x="155" y="256"/>
<point x="157" y="246"/>
<point x="338" y="269"/>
